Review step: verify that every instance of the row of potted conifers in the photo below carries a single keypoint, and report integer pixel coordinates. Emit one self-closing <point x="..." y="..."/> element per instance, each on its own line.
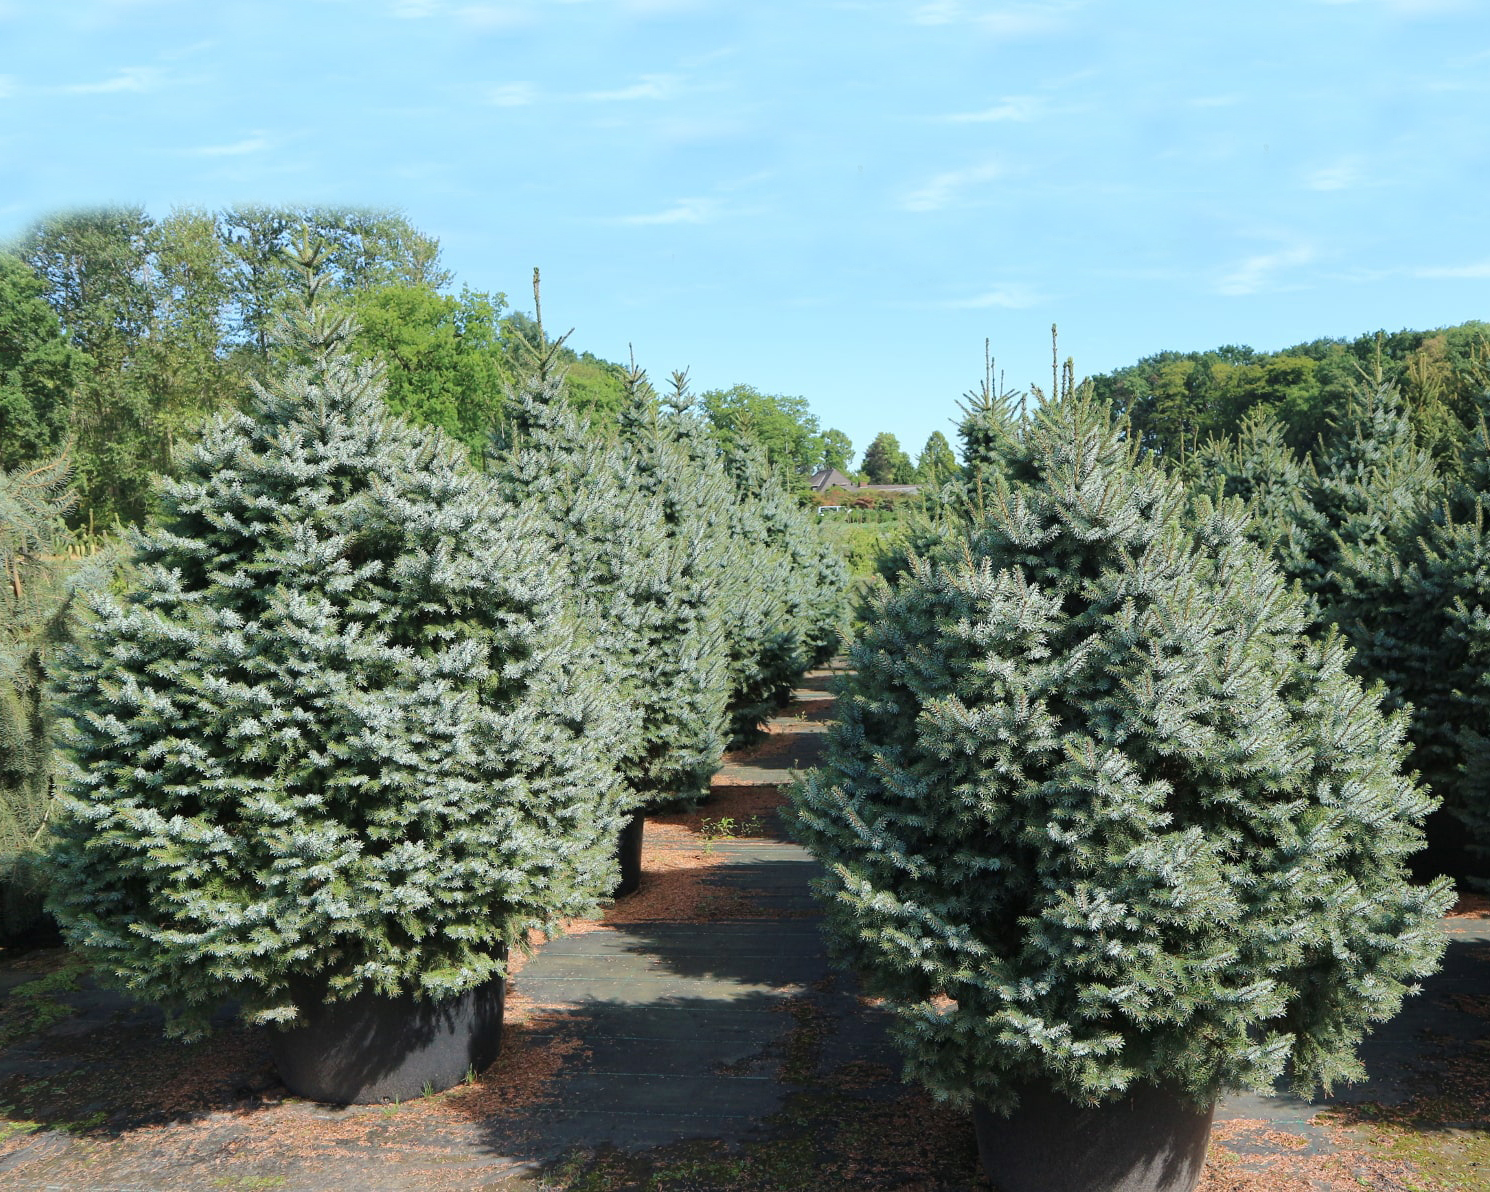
<point x="1107" y="830"/>
<point x="350" y="725"/>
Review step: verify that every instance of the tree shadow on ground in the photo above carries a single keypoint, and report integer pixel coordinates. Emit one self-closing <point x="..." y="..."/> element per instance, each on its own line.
<point x="750" y="1092"/>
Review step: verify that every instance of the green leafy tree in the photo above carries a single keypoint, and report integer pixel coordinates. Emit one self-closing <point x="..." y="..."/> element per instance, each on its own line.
<point x="367" y="248"/>
<point x="1097" y="811"/>
<point x="335" y="732"/>
<point x="784" y="427"/>
<point x="838" y="450"/>
<point x="180" y="363"/>
<point x="38" y="371"/>
<point x="885" y="462"/>
<point x="936" y="464"/>
<point x="92" y="266"/>
<point x="1176" y="400"/>
<point x="443" y="357"/>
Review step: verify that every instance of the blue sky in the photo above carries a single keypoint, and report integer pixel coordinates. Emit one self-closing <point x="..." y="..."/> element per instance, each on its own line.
<point x="838" y="200"/>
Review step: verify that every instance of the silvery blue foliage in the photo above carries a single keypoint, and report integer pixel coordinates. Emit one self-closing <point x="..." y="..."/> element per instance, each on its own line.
<point x="335" y="734"/>
<point x="1097" y="810"/>
<point x="606" y="525"/>
<point x="684" y="698"/>
<point x="789" y="593"/>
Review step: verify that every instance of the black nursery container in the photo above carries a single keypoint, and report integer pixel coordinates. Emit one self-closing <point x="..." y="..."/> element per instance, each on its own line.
<point x="1151" y="1140"/>
<point x="629" y="848"/>
<point x="373" y="1048"/>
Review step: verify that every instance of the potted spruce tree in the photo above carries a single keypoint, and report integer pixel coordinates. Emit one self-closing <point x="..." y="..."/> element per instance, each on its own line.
<point x="333" y="751"/>
<point x="605" y="526"/>
<point x="788" y="592"/>
<point x="687" y="688"/>
<point x="1107" y="830"/>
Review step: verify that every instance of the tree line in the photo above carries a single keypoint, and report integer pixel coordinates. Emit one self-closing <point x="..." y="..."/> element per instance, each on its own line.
<point x="121" y="333"/>
<point x="1175" y="401"/>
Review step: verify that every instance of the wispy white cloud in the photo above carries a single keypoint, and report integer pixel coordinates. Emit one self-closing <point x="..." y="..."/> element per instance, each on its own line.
<point x="512" y="95"/>
<point x="657" y="8"/>
<point x="130" y="78"/>
<point x="486" y="17"/>
<point x="659" y="87"/>
<point x="8" y="86"/>
<point x="1346" y="174"/>
<point x="946" y="189"/>
<point x="1005" y="21"/>
<point x="684" y="211"/>
<point x="1260" y="272"/>
<point x="1478" y="271"/>
<point x="515" y="14"/>
<point x="1215" y="101"/>
<point x="654" y="86"/>
<point x="252" y="144"/>
<point x="1413" y="8"/>
<point x="1006" y="297"/>
<point x="1013" y="107"/>
<point x="496" y="18"/>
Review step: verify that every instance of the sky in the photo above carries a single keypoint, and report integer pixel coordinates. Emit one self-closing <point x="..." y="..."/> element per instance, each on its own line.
<point x="841" y="201"/>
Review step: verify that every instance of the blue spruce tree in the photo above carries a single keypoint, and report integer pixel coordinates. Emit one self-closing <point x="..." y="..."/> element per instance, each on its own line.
<point x="1098" y="812"/>
<point x="334" y="735"/>
<point x="684" y="700"/>
<point x="606" y="519"/>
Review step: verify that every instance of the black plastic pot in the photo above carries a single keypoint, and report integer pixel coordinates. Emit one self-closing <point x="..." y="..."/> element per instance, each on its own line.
<point x="372" y="1048"/>
<point x="24" y="922"/>
<point x="1152" y="1140"/>
<point x="629" y="848"/>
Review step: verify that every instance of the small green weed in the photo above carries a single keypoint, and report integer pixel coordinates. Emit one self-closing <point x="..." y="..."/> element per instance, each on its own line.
<point x="33" y="1006"/>
<point x="12" y="1127"/>
<point x="727" y="827"/>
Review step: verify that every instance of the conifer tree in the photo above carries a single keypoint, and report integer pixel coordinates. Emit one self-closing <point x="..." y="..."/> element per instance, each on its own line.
<point x="1435" y="635"/>
<point x="987" y="431"/>
<point x="1260" y="468"/>
<point x="791" y="593"/>
<point x="36" y="612"/>
<point x="1372" y="488"/>
<point x="685" y="698"/>
<point x="989" y="427"/>
<point x="1097" y="811"/>
<point x="765" y="605"/>
<point x="334" y="736"/>
<point x="606" y="525"/>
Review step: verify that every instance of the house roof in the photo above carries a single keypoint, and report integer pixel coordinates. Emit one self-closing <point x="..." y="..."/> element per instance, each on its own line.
<point x="826" y="478"/>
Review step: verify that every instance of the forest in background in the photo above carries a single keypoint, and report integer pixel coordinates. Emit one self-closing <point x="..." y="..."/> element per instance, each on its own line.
<point x="1175" y="401"/>
<point x="121" y="333"/>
